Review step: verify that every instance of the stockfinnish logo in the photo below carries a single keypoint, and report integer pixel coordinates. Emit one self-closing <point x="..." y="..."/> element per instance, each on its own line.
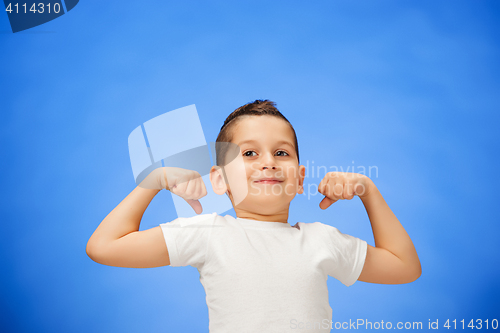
<point x="28" y="14"/>
<point x="176" y="139"/>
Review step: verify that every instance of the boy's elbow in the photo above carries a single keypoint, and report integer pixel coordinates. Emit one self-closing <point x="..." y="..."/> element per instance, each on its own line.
<point x="415" y="273"/>
<point x="91" y="251"/>
<point x="94" y="250"/>
<point x="418" y="272"/>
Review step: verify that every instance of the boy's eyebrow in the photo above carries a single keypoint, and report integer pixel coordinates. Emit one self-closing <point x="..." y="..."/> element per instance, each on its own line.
<point x="279" y="142"/>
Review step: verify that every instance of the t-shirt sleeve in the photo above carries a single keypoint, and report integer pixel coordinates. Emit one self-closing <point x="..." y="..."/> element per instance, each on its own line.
<point x="187" y="239"/>
<point x="347" y="255"/>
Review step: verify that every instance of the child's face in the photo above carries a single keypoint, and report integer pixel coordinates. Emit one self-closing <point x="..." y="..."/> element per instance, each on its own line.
<point x="265" y="175"/>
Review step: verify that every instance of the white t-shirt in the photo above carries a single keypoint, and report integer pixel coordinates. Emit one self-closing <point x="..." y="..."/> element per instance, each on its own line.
<point x="264" y="276"/>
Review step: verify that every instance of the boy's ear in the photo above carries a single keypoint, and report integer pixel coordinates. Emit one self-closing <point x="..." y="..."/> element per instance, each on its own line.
<point x="302" y="175"/>
<point x="217" y="180"/>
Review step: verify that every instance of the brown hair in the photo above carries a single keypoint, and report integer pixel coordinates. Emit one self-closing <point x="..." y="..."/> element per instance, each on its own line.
<point x="256" y="108"/>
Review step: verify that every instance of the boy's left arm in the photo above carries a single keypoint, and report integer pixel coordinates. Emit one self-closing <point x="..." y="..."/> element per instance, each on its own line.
<point x="394" y="259"/>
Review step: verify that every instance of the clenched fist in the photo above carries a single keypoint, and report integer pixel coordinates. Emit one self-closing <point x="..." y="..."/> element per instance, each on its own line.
<point x="342" y="185"/>
<point x="185" y="183"/>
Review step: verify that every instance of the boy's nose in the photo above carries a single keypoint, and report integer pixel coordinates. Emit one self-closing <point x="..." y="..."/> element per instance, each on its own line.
<point x="268" y="161"/>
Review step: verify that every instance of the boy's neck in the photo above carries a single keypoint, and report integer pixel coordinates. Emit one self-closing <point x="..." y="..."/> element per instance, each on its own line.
<point x="277" y="217"/>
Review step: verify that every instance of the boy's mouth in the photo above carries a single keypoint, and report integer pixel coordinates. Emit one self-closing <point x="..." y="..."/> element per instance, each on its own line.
<point x="268" y="181"/>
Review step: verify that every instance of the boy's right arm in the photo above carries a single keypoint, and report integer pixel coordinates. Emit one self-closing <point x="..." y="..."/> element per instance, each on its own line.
<point x="117" y="241"/>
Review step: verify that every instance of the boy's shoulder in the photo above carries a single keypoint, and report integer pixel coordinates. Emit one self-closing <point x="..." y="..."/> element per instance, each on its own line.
<point x="312" y="225"/>
<point x="197" y="220"/>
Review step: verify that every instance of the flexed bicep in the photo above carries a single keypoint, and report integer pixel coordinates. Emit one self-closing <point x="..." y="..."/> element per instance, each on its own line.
<point x="382" y="266"/>
<point x="139" y="249"/>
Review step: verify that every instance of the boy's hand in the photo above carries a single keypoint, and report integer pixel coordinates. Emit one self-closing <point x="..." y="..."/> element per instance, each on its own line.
<point x="342" y="185"/>
<point x="185" y="183"/>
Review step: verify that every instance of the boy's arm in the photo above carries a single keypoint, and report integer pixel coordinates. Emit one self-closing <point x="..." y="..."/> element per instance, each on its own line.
<point x="394" y="259"/>
<point x="117" y="241"/>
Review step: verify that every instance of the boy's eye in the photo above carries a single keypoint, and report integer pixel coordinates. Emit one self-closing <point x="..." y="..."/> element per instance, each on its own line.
<point x="281" y="151"/>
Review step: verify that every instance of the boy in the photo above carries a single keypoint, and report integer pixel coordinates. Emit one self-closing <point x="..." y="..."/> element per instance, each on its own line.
<point x="260" y="274"/>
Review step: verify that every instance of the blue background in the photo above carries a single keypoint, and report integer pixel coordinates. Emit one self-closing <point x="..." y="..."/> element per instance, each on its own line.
<point x="410" y="87"/>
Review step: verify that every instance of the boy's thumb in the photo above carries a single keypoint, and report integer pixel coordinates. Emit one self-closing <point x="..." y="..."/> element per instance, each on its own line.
<point x="196" y="205"/>
<point x="326" y="202"/>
